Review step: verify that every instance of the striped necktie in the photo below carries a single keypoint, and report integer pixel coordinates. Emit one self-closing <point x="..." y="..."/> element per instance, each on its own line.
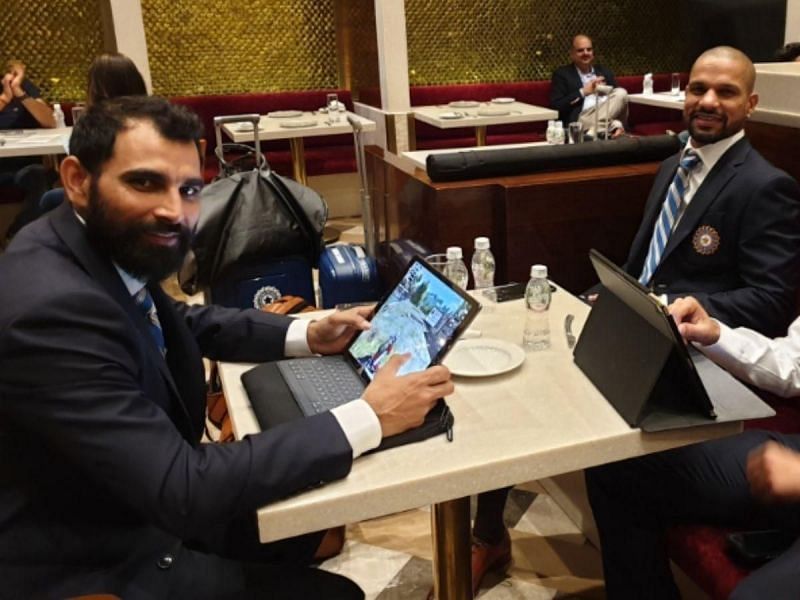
<point x="144" y="301"/>
<point x="670" y="210"/>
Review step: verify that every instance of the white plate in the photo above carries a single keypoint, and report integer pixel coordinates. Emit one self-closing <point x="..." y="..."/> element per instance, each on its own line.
<point x="464" y="104"/>
<point x="493" y="112"/>
<point x="285" y="114"/>
<point x="246" y="127"/>
<point x="503" y="100"/>
<point x="483" y="357"/>
<point x="451" y="115"/>
<point x="297" y="123"/>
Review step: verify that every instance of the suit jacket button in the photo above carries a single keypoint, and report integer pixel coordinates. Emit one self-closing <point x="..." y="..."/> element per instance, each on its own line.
<point x="165" y="562"/>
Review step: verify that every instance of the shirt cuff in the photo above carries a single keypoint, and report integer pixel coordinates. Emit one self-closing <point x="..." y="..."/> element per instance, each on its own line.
<point x="580" y="91"/>
<point x="360" y="425"/>
<point x="296" y="343"/>
<point x="722" y="348"/>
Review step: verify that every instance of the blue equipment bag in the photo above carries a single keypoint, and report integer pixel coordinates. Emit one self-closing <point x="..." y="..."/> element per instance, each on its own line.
<point x="253" y="286"/>
<point x="347" y="274"/>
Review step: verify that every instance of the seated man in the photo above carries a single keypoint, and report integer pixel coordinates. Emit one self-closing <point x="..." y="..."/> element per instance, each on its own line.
<point x="726" y="230"/>
<point x="21" y="107"/>
<point x="106" y="484"/>
<point x="751" y="480"/>
<point x="574" y="92"/>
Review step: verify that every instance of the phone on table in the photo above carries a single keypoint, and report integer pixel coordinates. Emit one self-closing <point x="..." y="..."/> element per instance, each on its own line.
<point x="509" y="291"/>
<point x="753" y="548"/>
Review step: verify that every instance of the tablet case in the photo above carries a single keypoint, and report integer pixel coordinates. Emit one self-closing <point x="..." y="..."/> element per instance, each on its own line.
<point x="631" y="354"/>
<point x="273" y="404"/>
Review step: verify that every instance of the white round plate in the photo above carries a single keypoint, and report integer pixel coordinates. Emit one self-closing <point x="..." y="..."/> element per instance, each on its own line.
<point x="451" y="115"/>
<point x="502" y="100"/>
<point x="493" y="112"/>
<point x="464" y="104"/>
<point x="246" y="127"/>
<point x="483" y="357"/>
<point x="297" y="123"/>
<point x="285" y="114"/>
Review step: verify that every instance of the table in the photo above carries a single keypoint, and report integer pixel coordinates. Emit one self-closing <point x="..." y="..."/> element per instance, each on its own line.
<point x="519" y="112"/>
<point x="660" y="99"/>
<point x="271" y="128"/>
<point x="34" y="142"/>
<point x="543" y="419"/>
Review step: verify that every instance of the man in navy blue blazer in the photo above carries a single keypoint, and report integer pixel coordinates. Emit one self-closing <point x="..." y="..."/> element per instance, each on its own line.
<point x="106" y="486"/>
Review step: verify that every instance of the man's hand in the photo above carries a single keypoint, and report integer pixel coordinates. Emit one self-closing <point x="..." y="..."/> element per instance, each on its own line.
<point x="331" y="334"/>
<point x="8" y="95"/>
<point x="774" y="473"/>
<point x="591" y="86"/>
<point x="402" y="402"/>
<point x="693" y="321"/>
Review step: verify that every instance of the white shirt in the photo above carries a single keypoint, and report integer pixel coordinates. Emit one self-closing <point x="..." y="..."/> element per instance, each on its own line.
<point x="709" y="156"/>
<point x="590" y="100"/>
<point x="770" y="364"/>
<point x="358" y="421"/>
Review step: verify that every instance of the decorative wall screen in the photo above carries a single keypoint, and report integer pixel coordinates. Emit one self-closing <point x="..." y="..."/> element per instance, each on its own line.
<point x="212" y="47"/>
<point x="56" y="39"/>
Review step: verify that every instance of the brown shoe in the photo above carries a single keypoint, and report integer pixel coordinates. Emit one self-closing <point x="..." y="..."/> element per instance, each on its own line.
<point x="489" y="557"/>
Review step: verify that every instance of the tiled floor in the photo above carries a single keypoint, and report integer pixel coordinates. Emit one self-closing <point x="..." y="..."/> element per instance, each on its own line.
<point x="390" y="558"/>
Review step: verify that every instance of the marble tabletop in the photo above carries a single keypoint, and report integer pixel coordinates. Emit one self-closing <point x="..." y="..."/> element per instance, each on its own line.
<point x="481" y="114"/>
<point x="542" y="419"/>
<point x="659" y="99"/>
<point x="304" y="124"/>
<point x="34" y="142"/>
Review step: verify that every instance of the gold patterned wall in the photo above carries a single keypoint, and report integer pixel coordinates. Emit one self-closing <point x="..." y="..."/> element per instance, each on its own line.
<point x="460" y="41"/>
<point x="56" y="39"/>
<point x="220" y="47"/>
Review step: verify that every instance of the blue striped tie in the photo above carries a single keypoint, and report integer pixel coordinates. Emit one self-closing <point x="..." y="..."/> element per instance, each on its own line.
<point x="144" y="301"/>
<point x="671" y="209"/>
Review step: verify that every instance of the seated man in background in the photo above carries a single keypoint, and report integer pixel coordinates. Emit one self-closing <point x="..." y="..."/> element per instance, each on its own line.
<point x="21" y="107"/>
<point x="721" y="224"/>
<point x="751" y="480"/>
<point x="106" y="484"/>
<point x="574" y="93"/>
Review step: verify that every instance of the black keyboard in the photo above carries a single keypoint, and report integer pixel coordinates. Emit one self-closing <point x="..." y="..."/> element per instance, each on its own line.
<point x="321" y="383"/>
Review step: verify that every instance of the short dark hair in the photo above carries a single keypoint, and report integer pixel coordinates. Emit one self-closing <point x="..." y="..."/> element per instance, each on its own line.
<point x="788" y="53"/>
<point x="112" y="75"/>
<point x="93" y="137"/>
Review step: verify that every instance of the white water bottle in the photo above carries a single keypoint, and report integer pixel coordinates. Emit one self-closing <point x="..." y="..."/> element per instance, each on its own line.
<point x="455" y="269"/>
<point x="58" y="115"/>
<point x="558" y="132"/>
<point x="548" y="134"/>
<point x="647" y="83"/>
<point x="483" y="265"/>
<point x="537" y="304"/>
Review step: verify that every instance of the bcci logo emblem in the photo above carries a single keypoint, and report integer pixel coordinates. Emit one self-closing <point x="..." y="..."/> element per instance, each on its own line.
<point x="265" y="295"/>
<point x="705" y="240"/>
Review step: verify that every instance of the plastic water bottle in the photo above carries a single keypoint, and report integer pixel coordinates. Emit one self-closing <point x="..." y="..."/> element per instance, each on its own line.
<point x="537" y="304"/>
<point x="558" y="133"/>
<point x="548" y="134"/>
<point x="647" y="83"/>
<point x="58" y="115"/>
<point x="483" y="265"/>
<point x="455" y="269"/>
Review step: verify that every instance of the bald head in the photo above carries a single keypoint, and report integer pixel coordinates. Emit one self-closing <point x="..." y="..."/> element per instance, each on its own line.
<point x="581" y="52"/>
<point x="731" y="55"/>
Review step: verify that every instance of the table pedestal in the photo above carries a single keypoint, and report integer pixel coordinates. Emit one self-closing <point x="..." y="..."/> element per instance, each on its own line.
<point x="297" y="147"/>
<point x="452" y="548"/>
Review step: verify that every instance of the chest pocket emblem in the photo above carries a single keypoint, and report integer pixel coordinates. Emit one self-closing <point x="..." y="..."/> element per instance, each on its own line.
<point x="705" y="240"/>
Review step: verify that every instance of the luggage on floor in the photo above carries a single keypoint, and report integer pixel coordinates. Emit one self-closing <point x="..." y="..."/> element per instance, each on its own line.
<point x="347" y="275"/>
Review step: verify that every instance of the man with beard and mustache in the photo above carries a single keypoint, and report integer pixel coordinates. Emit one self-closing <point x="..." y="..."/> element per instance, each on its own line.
<point x="106" y="486"/>
<point x="733" y="242"/>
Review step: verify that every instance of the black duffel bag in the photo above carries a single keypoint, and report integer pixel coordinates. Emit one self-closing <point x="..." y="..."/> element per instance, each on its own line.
<point x="252" y="216"/>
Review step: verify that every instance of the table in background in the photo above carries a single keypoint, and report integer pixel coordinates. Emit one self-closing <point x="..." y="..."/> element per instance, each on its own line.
<point x="660" y="99"/>
<point x="270" y="128"/>
<point x="542" y="419"/>
<point x="34" y="142"/>
<point x="519" y="112"/>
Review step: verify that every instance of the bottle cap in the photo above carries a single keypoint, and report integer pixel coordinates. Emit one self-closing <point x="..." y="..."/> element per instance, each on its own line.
<point x="482" y="243"/>
<point x="550" y="123"/>
<point x="454" y="252"/>
<point x="539" y="272"/>
<point x="559" y="125"/>
<point x="57" y="106"/>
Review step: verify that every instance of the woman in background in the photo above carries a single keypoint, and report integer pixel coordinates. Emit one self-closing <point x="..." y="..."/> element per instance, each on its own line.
<point x="112" y="75"/>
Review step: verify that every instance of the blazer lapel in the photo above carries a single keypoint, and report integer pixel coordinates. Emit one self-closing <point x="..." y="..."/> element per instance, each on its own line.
<point x="73" y="233"/>
<point x="713" y="185"/>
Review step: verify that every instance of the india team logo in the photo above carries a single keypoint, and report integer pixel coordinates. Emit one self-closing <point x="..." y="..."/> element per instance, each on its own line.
<point x="705" y="240"/>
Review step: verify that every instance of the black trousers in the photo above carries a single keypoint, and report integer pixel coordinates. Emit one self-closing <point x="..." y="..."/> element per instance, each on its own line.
<point x="634" y="501"/>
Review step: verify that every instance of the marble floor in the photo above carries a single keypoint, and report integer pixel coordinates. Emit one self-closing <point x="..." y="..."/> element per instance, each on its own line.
<point x="390" y="557"/>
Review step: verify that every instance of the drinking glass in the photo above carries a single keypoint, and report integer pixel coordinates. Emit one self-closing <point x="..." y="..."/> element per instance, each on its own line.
<point x="676" y="84"/>
<point x="77" y="112"/>
<point x="575" y="131"/>
<point x="333" y="107"/>
<point x="437" y="261"/>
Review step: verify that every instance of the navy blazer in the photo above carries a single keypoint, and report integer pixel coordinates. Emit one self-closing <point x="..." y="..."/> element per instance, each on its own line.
<point x="737" y="246"/>
<point x="103" y="470"/>
<point x="565" y="90"/>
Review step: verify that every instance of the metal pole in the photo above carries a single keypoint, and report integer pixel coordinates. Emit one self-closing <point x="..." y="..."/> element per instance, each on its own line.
<point x="366" y="202"/>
